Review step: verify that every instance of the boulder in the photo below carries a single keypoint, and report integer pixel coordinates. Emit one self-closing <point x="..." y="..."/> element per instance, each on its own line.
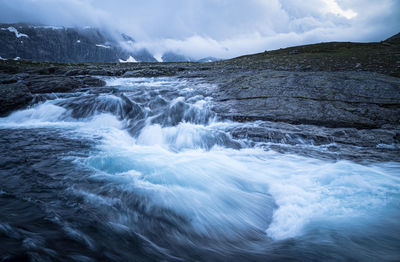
<point x="13" y="96"/>
<point x="61" y="84"/>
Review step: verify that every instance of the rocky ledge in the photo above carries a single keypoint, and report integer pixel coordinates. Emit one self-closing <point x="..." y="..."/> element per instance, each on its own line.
<point x="331" y="99"/>
<point x="18" y="86"/>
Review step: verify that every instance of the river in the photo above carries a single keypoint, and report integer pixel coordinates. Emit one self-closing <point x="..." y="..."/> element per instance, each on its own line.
<point x="143" y="170"/>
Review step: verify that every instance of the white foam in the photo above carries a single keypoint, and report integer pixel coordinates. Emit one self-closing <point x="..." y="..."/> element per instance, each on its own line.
<point x="42" y="114"/>
<point x="137" y="82"/>
<point x="222" y="193"/>
<point x="181" y="137"/>
<point x="225" y="192"/>
<point x="48" y="115"/>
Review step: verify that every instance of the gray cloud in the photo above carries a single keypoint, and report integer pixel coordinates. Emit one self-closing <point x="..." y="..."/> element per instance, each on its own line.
<point x="222" y="28"/>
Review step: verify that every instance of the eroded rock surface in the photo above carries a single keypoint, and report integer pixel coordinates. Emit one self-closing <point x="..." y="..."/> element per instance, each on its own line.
<point x="13" y="96"/>
<point x="18" y="86"/>
<point x="339" y="99"/>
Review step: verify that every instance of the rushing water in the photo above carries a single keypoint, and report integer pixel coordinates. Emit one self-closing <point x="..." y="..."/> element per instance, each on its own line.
<point x="143" y="170"/>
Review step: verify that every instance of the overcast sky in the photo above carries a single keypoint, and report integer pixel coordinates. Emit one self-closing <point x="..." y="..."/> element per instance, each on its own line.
<point x="220" y="28"/>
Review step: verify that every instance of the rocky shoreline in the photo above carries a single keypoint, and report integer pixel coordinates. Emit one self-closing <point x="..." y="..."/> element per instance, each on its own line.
<point x="359" y="89"/>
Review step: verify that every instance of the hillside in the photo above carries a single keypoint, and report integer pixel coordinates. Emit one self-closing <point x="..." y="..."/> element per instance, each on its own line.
<point x="382" y="57"/>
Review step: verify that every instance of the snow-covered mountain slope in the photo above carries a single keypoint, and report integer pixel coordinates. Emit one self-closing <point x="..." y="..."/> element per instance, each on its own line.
<point x="61" y="44"/>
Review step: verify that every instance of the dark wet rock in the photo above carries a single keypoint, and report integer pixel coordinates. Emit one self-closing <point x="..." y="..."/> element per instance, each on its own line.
<point x="341" y="99"/>
<point x="13" y="96"/>
<point x="150" y="72"/>
<point x="61" y="84"/>
<point x="8" y="79"/>
<point x="92" y="81"/>
<point x="52" y="84"/>
<point x="279" y="132"/>
<point x="396" y="138"/>
<point x="337" y="143"/>
<point x="47" y="70"/>
<point x="9" y="69"/>
<point x="100" y="72"/>
<point x="75" y="72"/>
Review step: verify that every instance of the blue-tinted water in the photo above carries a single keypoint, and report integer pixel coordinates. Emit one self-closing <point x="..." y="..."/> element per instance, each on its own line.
<point x="143" y="170"/>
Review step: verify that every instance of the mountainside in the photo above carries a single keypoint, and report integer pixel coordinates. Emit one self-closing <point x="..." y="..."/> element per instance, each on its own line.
<point x="393" y="39"/>
<point x="60" y="44"/>
<point x="175" y="57"/>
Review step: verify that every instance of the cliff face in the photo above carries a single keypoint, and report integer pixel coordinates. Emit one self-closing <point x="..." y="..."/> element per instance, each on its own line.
<point x="42" y="43"/>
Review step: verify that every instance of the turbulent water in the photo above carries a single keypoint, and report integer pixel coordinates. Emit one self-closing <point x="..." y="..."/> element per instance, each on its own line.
<point x="143" y="170"/>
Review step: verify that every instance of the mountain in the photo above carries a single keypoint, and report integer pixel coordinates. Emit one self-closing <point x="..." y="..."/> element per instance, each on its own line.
<point x="208" y="59"/>
<point x="174" y="57"/>
<point x="61" y="44"/>
<point x="393" y="39"/>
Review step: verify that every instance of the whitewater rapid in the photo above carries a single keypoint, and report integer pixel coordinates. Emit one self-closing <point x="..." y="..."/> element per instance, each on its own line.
<point x="167" y="168"/>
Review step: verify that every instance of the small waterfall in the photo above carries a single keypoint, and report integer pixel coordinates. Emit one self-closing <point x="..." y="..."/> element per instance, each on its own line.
<point x="143" y="168"/>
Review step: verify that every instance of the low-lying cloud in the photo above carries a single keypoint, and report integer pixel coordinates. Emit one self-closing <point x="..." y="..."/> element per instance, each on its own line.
<point x="220" y="28"/>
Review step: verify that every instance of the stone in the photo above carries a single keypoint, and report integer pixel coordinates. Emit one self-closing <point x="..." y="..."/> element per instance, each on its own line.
<point x="13" y="96"/>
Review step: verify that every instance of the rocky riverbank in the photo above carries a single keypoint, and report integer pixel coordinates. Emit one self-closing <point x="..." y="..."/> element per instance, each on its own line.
<point x="331" y="84"/>
<point x="18" y="85"/>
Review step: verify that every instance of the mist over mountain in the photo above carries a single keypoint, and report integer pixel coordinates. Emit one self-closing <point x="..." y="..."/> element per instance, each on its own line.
<point x="170" y="56"/>
<point x="76" y="44"/>
<point x="222" y="29"/>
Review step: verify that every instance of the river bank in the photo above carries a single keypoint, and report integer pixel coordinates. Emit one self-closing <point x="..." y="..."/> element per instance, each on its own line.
<point x="334" y="85"/>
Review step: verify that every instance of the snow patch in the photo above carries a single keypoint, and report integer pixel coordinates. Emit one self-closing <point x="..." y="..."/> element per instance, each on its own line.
<point x="15" y="31"/>
<point x="129" y="60"/>
<point x="17" y="58"/>
<point x="49" y="27"/>
<point x="1" y="58"/>
<point x="103" y="46"/>
<point x="78" y="41"/>
<point x="158" y="57"/>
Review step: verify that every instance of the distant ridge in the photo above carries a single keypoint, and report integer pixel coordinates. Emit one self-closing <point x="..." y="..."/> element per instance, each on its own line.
<point x="380" y="57"/>
<point x="175" y="57"/>
<point x="395" y="39"/>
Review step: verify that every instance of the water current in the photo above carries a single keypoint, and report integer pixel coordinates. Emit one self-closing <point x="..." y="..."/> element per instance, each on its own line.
<point x="143" y="170"/>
